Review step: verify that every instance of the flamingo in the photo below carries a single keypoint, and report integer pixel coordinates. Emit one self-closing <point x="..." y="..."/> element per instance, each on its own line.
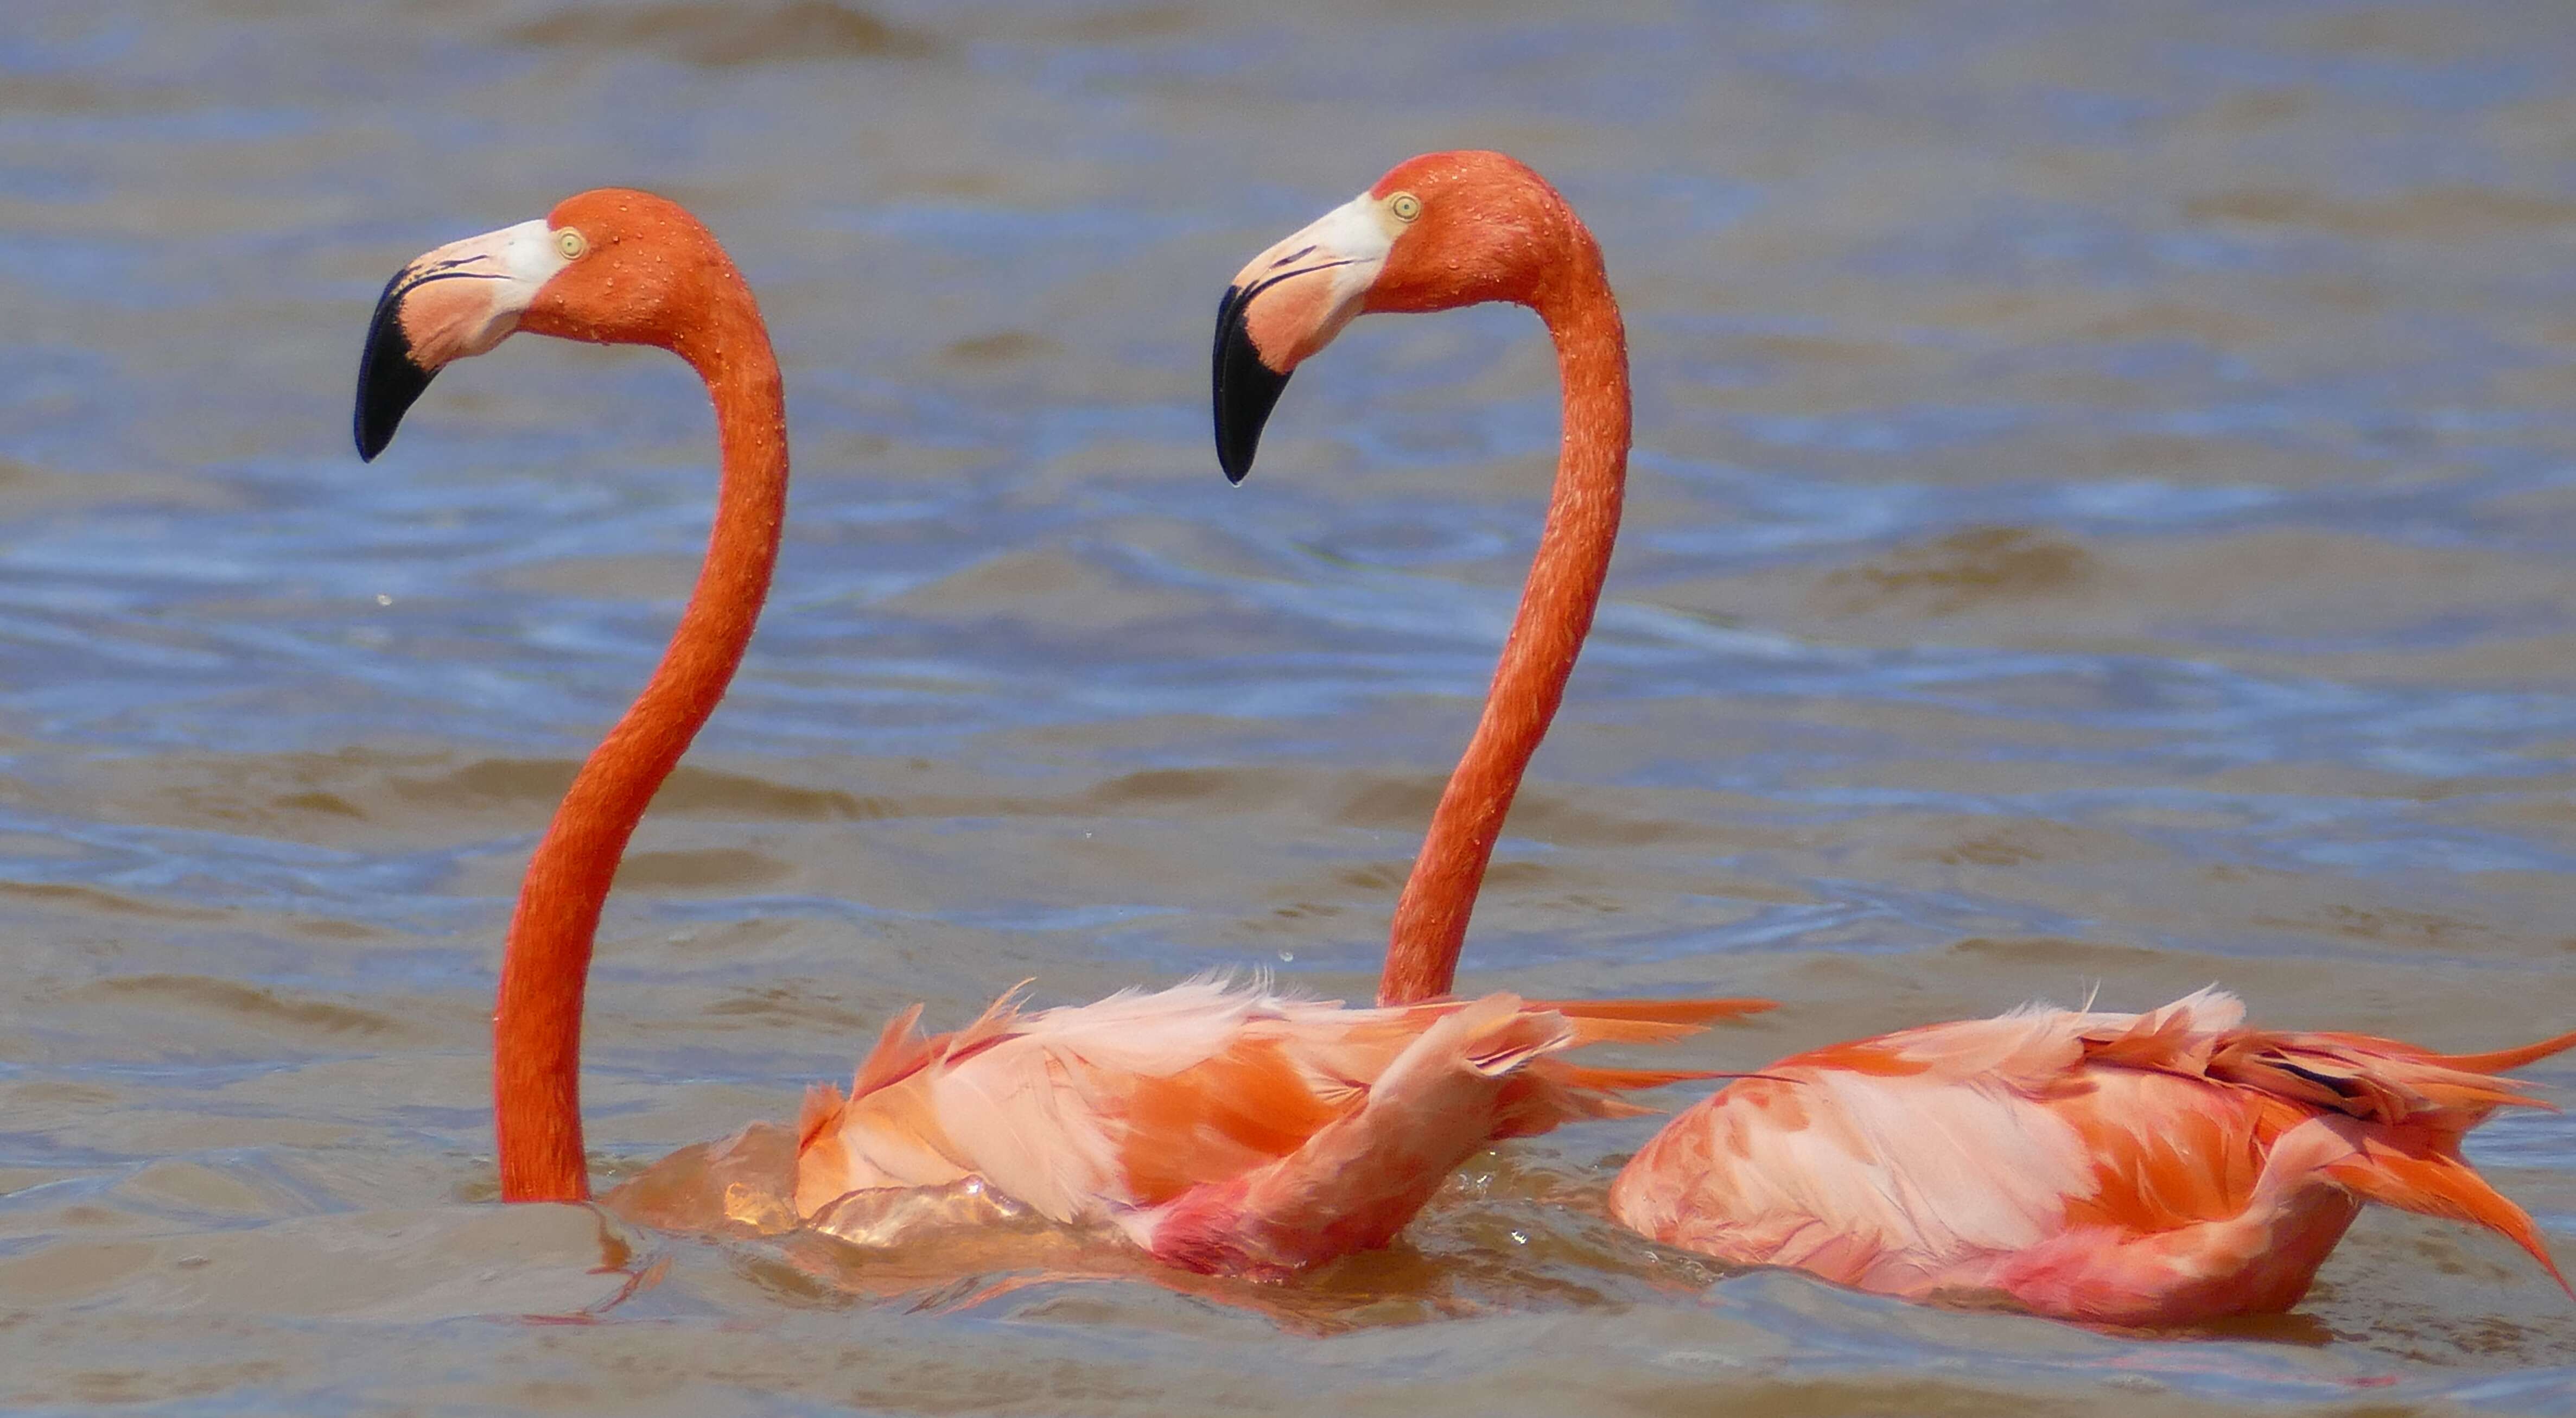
<point x="2142" y="1169"/>
<point x="1223" y="1128"/>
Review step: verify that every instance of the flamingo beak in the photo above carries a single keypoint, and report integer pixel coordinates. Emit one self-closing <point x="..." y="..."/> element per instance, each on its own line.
<point x="1290" y="302"/>
<point x="459" y="300"/>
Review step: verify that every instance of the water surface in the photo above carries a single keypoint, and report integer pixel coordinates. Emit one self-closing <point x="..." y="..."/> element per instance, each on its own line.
<point x="2102" y="523"/>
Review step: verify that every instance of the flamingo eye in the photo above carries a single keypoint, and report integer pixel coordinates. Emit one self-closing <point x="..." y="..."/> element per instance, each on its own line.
<point x="572" y="244"/>
<point x="1405" y="205"/>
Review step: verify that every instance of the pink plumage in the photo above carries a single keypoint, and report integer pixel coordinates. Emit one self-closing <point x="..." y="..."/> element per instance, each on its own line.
<point x="2155" y="1168"/>
<point x="1224" y="1129"/>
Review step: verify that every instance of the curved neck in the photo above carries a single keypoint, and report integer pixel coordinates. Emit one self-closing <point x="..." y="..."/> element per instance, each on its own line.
<point x="1555" y="614"/>
<point x="536" y="1030"/>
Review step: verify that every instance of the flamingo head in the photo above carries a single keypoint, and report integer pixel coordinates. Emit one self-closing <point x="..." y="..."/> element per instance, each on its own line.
<point x="609" y="266"/>
<point x="1437" y="232"/>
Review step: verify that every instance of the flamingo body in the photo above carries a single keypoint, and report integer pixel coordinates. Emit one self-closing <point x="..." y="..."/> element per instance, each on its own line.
<point x="2142" y="1169"/>
<point x="1222" y="1129"/>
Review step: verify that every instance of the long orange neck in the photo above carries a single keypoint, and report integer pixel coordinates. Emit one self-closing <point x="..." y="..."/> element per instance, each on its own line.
<point x="1556" y="613"/>
<point x="536" y="1031"/>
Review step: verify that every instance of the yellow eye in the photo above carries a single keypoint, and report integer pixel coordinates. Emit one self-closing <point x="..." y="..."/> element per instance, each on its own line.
<point x="1405" y="205"/>
<point x="572" y="244"/>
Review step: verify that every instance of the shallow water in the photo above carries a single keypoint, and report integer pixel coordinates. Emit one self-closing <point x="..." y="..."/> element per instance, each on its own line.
<point x="2101" y="524"/>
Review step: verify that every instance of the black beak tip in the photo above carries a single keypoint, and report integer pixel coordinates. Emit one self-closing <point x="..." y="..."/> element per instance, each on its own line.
<point x="389" y="379"/>
<point x="1246" y="389"/>
<point x="371" y="441"/>
<point x="1235" y="444"/>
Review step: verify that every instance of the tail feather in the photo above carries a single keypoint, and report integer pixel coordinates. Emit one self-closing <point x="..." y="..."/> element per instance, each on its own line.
<point x="1547" y="1092"/>
<point x="1647" y="1021"/>
<point x="2384" y="1119"/>
<point x="1625" y="1080"/>
<point x="2376" y="1080"/>
<point x="2438" y="1182"/>
<point x="2498" y="1060"/>
<point x="1551" y="1092"/>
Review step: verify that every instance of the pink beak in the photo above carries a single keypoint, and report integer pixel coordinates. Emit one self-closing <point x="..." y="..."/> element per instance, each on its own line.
<point x="459" y="300"/>
<point x="1290" y="302"/>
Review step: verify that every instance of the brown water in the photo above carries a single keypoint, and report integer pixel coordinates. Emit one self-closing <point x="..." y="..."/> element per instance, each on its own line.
<point x="2102" y="523"/>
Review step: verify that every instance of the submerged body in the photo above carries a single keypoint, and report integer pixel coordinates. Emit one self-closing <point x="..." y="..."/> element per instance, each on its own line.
<point x="2159" y="1168"/>
<point x="1221" y="1129"/>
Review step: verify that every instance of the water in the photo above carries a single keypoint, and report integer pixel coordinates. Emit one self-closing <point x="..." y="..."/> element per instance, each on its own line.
<point x="2101" y="523"/>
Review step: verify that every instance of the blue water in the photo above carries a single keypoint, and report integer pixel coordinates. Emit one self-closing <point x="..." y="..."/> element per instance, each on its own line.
<point x="2101" y="524"/>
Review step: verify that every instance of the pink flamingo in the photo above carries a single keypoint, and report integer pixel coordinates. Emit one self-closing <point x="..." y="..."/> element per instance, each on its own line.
<point x="1222" y="1129"/>
<point x="2129" y="1168"/>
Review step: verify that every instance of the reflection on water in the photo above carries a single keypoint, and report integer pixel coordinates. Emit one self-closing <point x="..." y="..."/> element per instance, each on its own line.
<point x="2102" y="521"/>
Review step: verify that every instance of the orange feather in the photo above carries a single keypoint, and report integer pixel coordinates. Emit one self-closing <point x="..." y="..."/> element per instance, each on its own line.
<point x="2165" y="1167"/>
<point x="1218" y="1127"/>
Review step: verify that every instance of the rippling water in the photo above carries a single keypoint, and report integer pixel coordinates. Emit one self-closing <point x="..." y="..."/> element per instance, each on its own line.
<point x="2102" y="522"/>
